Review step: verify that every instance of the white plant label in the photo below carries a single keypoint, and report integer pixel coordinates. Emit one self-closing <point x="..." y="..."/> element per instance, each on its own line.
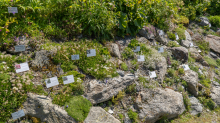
<point x="160" y="50"/>
<point x="68" y="79"/>
<point x="91" y="53"/>
<point x="138" y="48"/>
<point x="199" y="51"/>
<point x="210" y="25"/>
<point x="17" y="114"/>
<point x="140" y="58"/>
<point x="177" y="37"/>
<point x="161" y="32"/>
<point x="191" y="45"/>
<point x="12" y="10"/>
<point x="186" y="67"/>
<point x="75" y="57"/>
<point x="153" y="74"/>
<point x="19" y="48"/>
<point x="51" y="82"/>
<point x="21" y="67"/>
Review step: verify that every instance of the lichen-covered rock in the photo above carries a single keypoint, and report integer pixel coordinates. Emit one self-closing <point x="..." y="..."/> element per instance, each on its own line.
<point x="161" y="38"/>
<point x="204" y="21"/>
<point x="197" y="37"/>
<point x="195" y="54"/>
<point x="196" y="106"/>
<point x="214" y="43"/>
<point x="191" y="77"/>
<point x="161" y="68"/>
<point x="99" y="115"/>
<point x="115" y="50"/>
<point x="143" y="32"/>
<point x="181" y="53"/>
<point x="158" y="103"/>
<point x="187" y="41"/>
<point x="215" y="93"/>
<point x="41" y="107"/>
<point x="97" y="92"/>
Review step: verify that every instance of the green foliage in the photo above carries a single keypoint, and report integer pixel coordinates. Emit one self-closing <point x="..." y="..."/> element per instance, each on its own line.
<point x="175" y="64"/>
<point x="133" y="43"/>
<point x="128" y="53"/>
<point x="133" y="115"/>
<point x="207" y="102"/>
<point x="184" y="83"/>
<point x="121" y="116"/>
<point x="211" y="61"/>
<point x="173" y="44"/>
<point x="191" y="59"/>
<point x="218" y="62"/>
<point x="214" y="7"/>
<point x="78" y="108"/>
<point x="205" y="81"/>
<point x="181" y="71"/>
<point x="131" y="89"/>
<point x="124" y="66"/>
<point x="171" y="72"/>
<point x="203" y="45"/>
<point x="171" y="36"/>
<point x="194" y="68"/>
<point x="181" y="33"/>
<point x="186" y="101"/>
<point x="120" y="96"/>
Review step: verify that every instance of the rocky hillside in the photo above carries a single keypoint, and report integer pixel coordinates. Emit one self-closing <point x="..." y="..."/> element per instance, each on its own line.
<point x="141" y="71"/>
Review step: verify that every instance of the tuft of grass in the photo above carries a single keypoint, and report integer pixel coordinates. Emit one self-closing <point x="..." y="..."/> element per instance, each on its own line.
<point x="124" y="66"/>
<point x="133" y="116"/>
<point x="181" y="33"/>
<point x="120" y="96"/>
<point x="211" y="61"/>
<point x="78" y="108"/>
<point x="172" y="44"/>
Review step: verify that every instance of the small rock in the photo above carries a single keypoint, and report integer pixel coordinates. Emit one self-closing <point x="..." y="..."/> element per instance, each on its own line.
<point x="204" y="21"/>
<point x="180" y="53"/>
<point x="124" y="105"/>
<point x="121" y="73"/>
<point x="115" y="50"/>
<point x="196" y="106"/>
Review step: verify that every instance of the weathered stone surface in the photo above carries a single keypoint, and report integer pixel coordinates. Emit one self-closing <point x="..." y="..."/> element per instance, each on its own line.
<point x="161" y="68"/>
<point x="142" y="40"/>
<point x="115" y="50"/>
<point x="196" y="106"/>
<point x="215" y="93"/>
<point x="187" y="41"/>
<point x="213" y="55"/>
<point x="158" y="102"/>
<point x="197" y="37"/>
<point x="99" y="115"/>
<point x="191" y="77"/>
<point x="99" y="92"/>
<point x="181" y="53"/>
<point x="204" y="21"/>
<point x="143" y="32"/>
<point x="195" y="54"/>
<point x="162" y="38"/>
<point x="41" y="107"/>
<point x="214" y="42"/>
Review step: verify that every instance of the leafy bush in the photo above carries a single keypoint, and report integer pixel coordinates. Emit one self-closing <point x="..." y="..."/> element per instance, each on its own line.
<point x="204" y="46"/>
<point x="211" y="61"/>
<point x="171" y="72"/>
<point x="131" y="89"/>
<point x="171" y="35"/>
<point x="172" y="44"/>
<point x="186" y="101"/>
<point x="124" y="66"/>
<point x="181" y="71"/>
<point x="128" y="53"/>
<point x="205" y="81"/>
<point x="215" y="20"/>
<point x="78" y="108"/>
<point x="120" y="96"/>
<point x="207" y="102"/>
<point x="183" y="20"/>
<point x="132" y="115"/>
<point x="181" y="33"/>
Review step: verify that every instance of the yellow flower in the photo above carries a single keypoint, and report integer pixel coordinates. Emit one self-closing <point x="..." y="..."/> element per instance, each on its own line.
<point x="70" y="6"/>
<point x="205" y="9"/>
<point x="139" y="1"/>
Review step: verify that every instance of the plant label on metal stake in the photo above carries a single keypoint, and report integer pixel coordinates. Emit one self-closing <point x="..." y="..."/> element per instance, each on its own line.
<point x="140" y="58"/>
<point x="19" y="48"/>
<point x="152" y="74"/>
<point x="12" y="10"/>
<point x="186" y="67"/>
<point x="177" y="37"/>
<point x="91" y="53"/>
<point x="138" y="48"/>
<point x="160" y="50"/>
<point x="21" y="67"/>
<point x="68" y="79"/>
<point x="75" y="57"/>
<point x="161" y="32"/>
<point x="51" y="82"/>
<point x="18" y="114"/>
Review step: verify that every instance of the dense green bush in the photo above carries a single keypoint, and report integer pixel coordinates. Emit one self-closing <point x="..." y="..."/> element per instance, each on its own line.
<point x="181" y="33"/>
<point x="211" y="61"/>
<point x="207" y="102"/>
<point x="133" y="115"/>
<point x="172" y="44"/>
<point x="215" y="20"/>
<point x="124" y="66"/>
<point x="171" y="35"/>
<point x="78" y="108"/>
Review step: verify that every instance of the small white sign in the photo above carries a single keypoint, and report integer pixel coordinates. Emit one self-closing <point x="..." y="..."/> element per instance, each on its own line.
<point x="152" y="74"/>
<point x="68" y="79"/>
<point x="138" y="48"/>
<point x="91" y="53"/>
<point x="140" y="58"/>
<point x="160" y="50"/>
<point x="199" y="51"/>
<point x="191" y="45"/>
<point x="177" y="37"/>
<point x="186" y="67"/>
<point x="18" y="114"/>
<point x="75" y="57"/>
<point x="12" y="10"/>
<point x="51" y="82"/>
<point x="210" y="25"/>
<point x="200" y="71"/>
<point x="19" y="48"/>
<point x="21" y="67"/>
<point x="161" y="32"/>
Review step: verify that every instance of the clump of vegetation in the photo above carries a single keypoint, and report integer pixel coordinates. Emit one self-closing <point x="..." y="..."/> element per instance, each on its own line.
<point x="207" y="102"/>
<point x="186" y="101"/>
<point x="124" y="66"/>
<point x="181" y="71"/>
<point x="128" y="53"/>
<point x="172" y="44"/>
<point x="120" y="96"/>
<point x="205" y="81"/>
<point x="131" y="89"/>
<point x="181" y="33"/>
<point x="211" y="61"/>
<point x="133" y="116"/>
<point x="215" y="20"/>
<point x="203" y="45"/>
<point x="78" y="108"/>
<point x="171" y="35"/>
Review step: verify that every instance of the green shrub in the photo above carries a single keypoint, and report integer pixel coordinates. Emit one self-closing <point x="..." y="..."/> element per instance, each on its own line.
<point x="184" y="83"/>
<point x="131" y="89"/>
<point x="133" y="115"/>
<point x="181" y="33"/>
<point x="205" y="81"/>
<point x="207" y="102"/>
<point x="121" y="116"/>
<point x="171" y="72"/>
<point x="211" y="61"/>
<point x="127" y="53"/>
<point x="181" y="71"/>
<point x="120" y="96"/>
<point x="78" y="108"/>
<point x="186" y="101"/>
<point x="215" y="20"/>
<point x="218" y="62"/>
<point x="204" y="46"/>
<point x="183" y="20"/>
<point x="124" y="66"/>
<point x="171" y="35"/>
<point x="172" y="44"/>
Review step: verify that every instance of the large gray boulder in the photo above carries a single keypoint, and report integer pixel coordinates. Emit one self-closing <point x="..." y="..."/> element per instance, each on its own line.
<point x="157" y="103"/>
<point x="161" y="38"/>
<point x="41" y="107"/>
<point x="99" y="115"/>
<point x="196" y="106"/>
<point x="115" y="50"/>
<point x="187" y="41"/>
<point x="97" y="92"/>
<point x="161" y="68"/>
<point x="214" y="43"/>
<point x="204" y="21"/>
<point x="181" y="53"/>
<point x="215" y="93"/>
<point x="196" y="55"/>
<point x="144" y="32"/>
<point x="191" y="77"/>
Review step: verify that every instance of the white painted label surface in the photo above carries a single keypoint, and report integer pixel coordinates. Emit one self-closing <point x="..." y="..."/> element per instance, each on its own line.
<point x="177" y="37"/>
<point x="140" y="58"/>
<point x="91" y="53"/>
<point x="19" y="48"/>
<point x="138" y="48"/>
<point x="191" y="45"/>
<point x="51" y="82"/>
<point x="17" y="114"/>
<point x="153" y="74"/>
<point x="186" y="67"/>
<point x="160" y="50"/>
<point x="21" y="67"/>
<point x="68" y="79"/>
<point x="12" y="10"/>
<point x="161" y="32"/>
<point x="199" y="51"/>
<point x="210" y="25"/>
<point x="75" y="57"/>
